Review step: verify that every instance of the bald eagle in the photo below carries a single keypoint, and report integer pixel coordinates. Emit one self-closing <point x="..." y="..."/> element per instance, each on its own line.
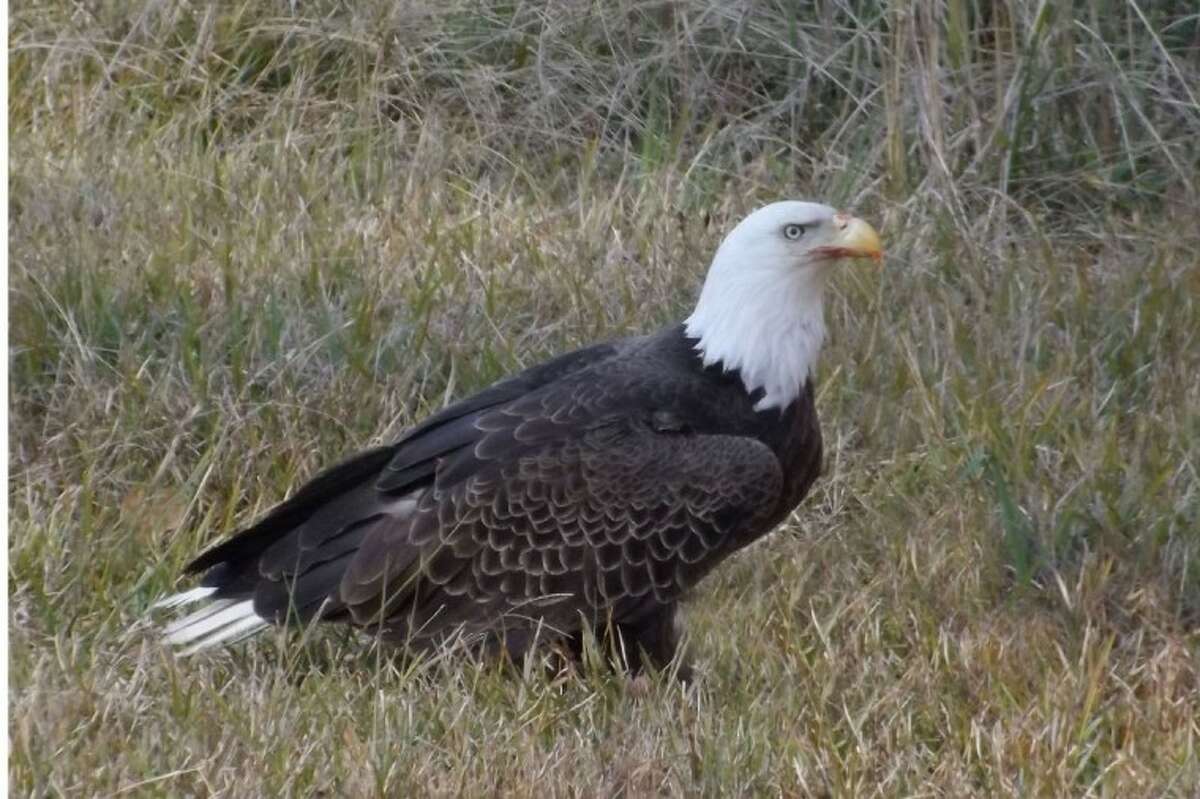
<point x="582" y="495"/>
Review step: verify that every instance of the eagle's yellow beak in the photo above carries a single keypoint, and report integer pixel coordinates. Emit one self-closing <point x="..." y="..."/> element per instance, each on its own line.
<point x="854" y="239"/>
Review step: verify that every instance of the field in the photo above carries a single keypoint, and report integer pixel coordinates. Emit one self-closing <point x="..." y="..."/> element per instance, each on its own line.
<point x="248" y="238"/>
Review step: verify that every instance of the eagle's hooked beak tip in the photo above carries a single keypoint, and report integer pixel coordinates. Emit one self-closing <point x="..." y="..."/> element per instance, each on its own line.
<point x="856" y="239"/>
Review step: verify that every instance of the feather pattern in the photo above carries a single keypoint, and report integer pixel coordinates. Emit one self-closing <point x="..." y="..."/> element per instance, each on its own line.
<point x="576" y="494"/>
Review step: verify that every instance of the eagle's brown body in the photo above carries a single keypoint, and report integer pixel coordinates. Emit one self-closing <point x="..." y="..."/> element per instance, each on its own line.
<point x="593" y="489"/>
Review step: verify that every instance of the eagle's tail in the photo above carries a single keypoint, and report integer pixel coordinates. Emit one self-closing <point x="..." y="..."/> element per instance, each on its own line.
<point x="284" y="566"/>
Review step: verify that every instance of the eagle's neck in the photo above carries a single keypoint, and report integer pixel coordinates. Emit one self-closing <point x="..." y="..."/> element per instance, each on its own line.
<point x="768" y="330"/>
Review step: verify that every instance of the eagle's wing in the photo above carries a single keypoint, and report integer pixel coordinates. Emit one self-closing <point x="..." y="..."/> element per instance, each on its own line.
<point x="547" y="519"/>
<point x="561" y="497"/>
<point x="344" y="494"/>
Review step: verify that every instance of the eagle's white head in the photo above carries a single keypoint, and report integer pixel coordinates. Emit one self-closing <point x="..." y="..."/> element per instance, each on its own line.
<point x="760" y="311"/>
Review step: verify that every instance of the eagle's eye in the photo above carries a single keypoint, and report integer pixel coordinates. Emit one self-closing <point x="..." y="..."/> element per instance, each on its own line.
<point x="793" y="231"/>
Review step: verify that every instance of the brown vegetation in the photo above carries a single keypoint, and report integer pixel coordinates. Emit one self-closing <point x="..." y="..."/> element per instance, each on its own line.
<point x="248" y="238"/>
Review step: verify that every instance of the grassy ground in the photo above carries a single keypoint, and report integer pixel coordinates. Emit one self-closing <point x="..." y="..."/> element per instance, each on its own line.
<point x="248" y="238"/>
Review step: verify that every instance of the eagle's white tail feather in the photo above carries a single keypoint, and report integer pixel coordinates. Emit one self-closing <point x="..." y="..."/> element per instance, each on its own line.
<point x="221" y="621"/>
<point x="235" y="631"/>
<point x="183" y="598"/>
<point x="196" y="617"/>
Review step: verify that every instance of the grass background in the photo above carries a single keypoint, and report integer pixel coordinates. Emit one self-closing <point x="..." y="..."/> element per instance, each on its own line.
<point x="247" y="238"/>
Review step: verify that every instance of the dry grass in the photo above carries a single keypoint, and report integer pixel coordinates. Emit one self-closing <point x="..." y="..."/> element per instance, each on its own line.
<point x="246" y="239"/>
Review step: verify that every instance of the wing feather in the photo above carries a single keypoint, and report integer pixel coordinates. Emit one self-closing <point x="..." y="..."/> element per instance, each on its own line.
<point x="581" y="524"/>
